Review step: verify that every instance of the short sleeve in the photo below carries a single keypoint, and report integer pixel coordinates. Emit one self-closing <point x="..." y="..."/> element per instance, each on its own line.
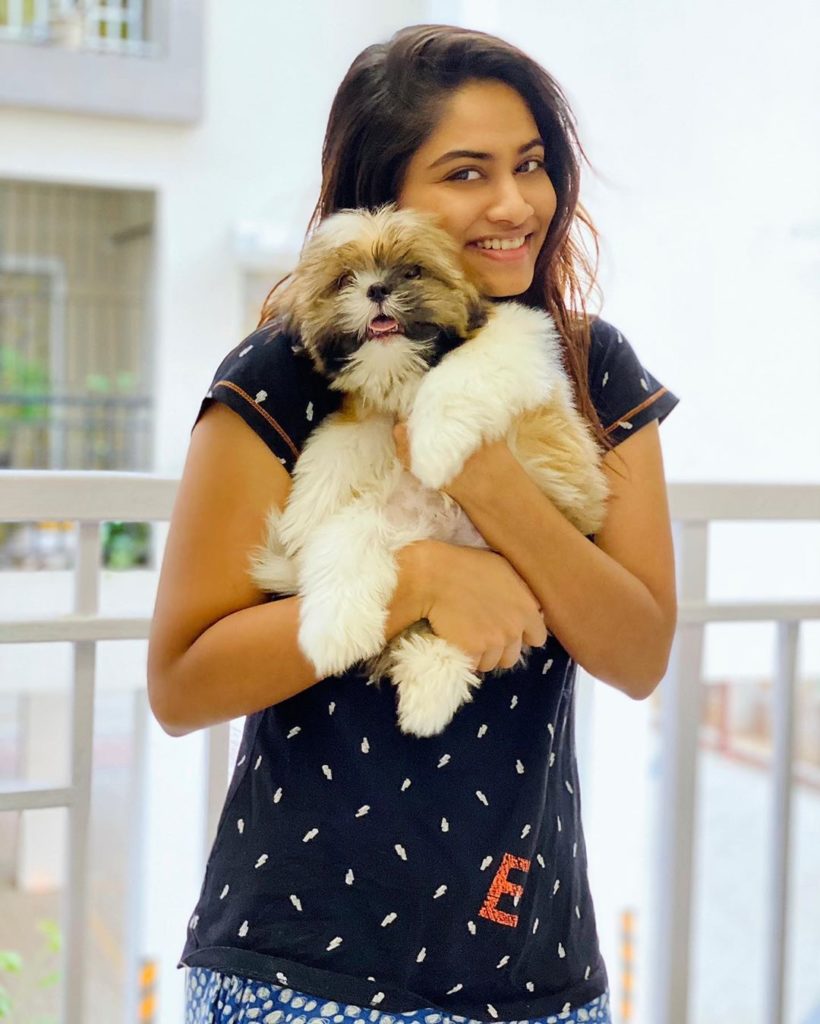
<point x="624" y="393"/>
<point x="272" y="385"/>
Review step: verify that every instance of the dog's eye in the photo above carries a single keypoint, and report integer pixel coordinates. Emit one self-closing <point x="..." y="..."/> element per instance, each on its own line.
<point x="413" y="272"/>
<point x="343" y="280"/>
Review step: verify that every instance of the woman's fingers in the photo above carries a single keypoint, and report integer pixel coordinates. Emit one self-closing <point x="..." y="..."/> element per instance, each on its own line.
<point x="497" y="657"/>
<point x="536" y="633"/>
<point x="490" y="658"/>
<point x="510" y="656"/>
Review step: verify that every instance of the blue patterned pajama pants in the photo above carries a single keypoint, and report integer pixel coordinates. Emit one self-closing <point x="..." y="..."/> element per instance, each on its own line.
<point x="215" y="998"/>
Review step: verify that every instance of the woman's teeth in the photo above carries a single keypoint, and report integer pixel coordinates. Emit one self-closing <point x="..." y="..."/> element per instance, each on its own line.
<point x="501" y="243"/>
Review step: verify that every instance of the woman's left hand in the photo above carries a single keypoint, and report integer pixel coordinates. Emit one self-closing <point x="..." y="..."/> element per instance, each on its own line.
<point x="485" y="467"/>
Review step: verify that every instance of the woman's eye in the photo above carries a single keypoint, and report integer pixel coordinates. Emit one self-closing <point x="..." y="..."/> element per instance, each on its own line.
<point x="465" y="170"/>
<point x="413" y="272"/>
<point x="459" y="175"/>
<point x="533" y="160"/>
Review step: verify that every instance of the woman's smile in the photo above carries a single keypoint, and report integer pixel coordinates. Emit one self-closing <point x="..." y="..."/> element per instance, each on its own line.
<point x="482" y="171"/>
<point x="503" y="249"/>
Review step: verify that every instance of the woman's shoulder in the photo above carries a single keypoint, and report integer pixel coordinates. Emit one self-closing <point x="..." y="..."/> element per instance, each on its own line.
<point x="268" y="350"/>
<point x="603" y="336"/>
<point x="270" y="382"/>
<point x="625" y="394"/>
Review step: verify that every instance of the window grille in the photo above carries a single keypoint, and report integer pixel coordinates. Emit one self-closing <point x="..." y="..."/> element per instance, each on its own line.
<point x="118" y="25"/>
<point x="74" y="331"/>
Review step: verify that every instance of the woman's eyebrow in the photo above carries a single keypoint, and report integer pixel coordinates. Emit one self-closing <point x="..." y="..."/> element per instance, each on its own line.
<point x="469" y="154"/>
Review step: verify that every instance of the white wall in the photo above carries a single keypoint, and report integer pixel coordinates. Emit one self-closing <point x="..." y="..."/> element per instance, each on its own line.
<point x="704" y="125"/>
<point x="703" y="121"/>
<point x="271" y="72"/>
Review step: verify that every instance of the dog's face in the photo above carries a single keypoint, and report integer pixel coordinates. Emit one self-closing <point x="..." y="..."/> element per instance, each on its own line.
<point x="379" y="298"/>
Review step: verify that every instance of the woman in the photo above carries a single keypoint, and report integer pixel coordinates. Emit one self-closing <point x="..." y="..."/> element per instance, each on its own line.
<point x="359" y="873"/>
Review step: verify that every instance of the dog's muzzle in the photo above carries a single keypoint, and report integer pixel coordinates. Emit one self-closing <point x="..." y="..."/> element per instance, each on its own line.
<point x="381" y="327"/>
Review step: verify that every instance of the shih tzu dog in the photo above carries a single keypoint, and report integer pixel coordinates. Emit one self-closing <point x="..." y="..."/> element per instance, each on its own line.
<point x="387" y="315"/>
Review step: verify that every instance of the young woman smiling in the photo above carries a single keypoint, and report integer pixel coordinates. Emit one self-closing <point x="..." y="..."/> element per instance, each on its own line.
<point x="359" y="873"/>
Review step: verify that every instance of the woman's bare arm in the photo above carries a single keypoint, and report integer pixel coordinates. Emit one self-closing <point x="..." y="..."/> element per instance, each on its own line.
<point x="611" y="604"/>
<point x="218" y="649"/>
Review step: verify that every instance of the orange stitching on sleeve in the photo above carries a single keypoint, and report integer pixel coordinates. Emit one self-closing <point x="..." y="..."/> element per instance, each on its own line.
<point x="634" y="412"/>
<point x="501" y="885"/>
<point x="262" y="412"/>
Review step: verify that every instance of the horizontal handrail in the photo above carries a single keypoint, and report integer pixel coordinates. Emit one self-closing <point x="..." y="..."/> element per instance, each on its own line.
<point x="695" y="612"/>
<point x="63" y="628"/>
<point x="85" y="495"/>
<point x="35" y="798"/>
<point x="29" y="495"/>
<point x="714" y="502"/>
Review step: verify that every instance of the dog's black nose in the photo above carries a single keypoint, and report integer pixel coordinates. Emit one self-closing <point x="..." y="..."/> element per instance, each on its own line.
<point x="377" y="292"/>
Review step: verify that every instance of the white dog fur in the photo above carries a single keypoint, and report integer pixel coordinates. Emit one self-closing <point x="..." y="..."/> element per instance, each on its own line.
<point x="353" y="505"/>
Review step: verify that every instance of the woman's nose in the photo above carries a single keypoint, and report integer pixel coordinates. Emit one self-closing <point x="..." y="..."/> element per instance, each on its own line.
<point x="508" y="203"/>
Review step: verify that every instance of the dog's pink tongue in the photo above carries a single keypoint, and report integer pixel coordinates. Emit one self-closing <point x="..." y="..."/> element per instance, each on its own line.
<point x="383" y="325"/>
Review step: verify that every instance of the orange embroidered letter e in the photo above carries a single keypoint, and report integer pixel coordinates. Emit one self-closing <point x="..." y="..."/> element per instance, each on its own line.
<point x="500" y="886"/>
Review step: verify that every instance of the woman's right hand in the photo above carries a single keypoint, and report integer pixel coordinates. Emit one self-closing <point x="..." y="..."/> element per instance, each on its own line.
<point x="475" y="599"/>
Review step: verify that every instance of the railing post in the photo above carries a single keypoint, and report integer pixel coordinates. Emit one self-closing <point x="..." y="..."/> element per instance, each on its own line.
<point x="135" y="930"/>
<point x="783" y="700"/>
<point x="86" y="602"/>
<point x="41" y="844"/>
<point x="681" y="712"/>
<point x="219" y="767"/>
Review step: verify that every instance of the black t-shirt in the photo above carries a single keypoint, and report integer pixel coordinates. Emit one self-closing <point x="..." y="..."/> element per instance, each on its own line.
<point x="360" y="864"/>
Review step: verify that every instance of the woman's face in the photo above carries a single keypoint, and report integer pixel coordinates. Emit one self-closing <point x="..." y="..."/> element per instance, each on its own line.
<point x="482" y="171"/>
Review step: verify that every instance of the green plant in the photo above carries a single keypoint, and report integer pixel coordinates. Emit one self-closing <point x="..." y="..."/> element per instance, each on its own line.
<point x="20" y="376"/>
<point x="43" y="964"/>
<point x="125" y="544"/>
<point x="100" y="386"/>
<point x="121" y="383"/>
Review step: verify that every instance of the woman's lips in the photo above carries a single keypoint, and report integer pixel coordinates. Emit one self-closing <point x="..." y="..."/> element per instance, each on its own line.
<point x="503" y="255"/>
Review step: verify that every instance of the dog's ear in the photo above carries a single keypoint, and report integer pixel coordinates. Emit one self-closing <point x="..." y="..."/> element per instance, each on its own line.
<point x="301" y="350"/>
<point x="285" y="323"/>
<point x="297" y="346"/>
<point x="476" y="313"/>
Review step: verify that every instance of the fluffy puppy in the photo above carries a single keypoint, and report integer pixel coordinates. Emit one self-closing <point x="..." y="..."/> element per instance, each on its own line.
<point x="387" y="315"/>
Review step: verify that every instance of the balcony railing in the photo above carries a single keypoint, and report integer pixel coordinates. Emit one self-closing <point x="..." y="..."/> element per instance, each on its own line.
<point x="92" y="498"/>
<point x="61" y="431"/>
<point x="75" y="24"/>
<point x="133" y="58"/>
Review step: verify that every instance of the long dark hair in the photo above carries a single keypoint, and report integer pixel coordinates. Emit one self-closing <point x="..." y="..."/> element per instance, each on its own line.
<point x="387" y="105"/>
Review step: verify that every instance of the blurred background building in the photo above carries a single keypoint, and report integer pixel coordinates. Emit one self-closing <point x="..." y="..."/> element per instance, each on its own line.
<point x="159" y="162"/>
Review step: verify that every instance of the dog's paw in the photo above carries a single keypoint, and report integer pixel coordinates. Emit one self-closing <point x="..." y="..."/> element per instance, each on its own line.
<point x="439" y="449"/>
<point x="334" y="644"/>
<point x="433" y="680"/>
<point x="425" y="717"/>
<point x="274" y="573"/>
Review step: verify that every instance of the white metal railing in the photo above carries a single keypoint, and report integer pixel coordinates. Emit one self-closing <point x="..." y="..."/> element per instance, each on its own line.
<point x="77" y="24"/>
<point x="693" y="508"/>
<point x="91" y="498"/>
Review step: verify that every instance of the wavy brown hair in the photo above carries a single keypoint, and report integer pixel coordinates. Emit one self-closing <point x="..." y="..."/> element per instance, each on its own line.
<point x="390" y="101"/>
